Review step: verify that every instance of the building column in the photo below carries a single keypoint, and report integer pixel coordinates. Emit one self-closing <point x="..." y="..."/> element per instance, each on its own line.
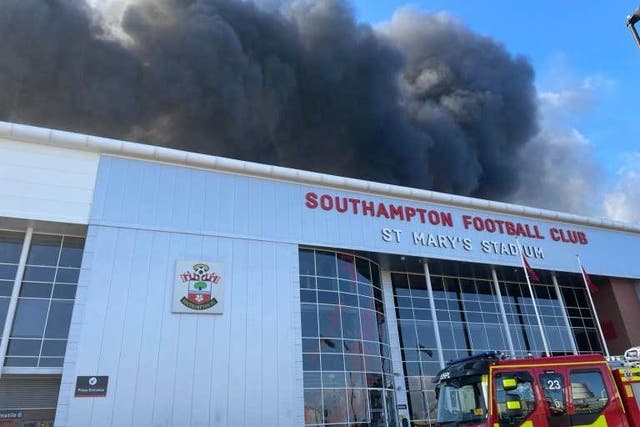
<point x="503" y="313"/>
<point x="432" y="304"/>
<point x="402" y="405"/>
<point x="13" y="302"/>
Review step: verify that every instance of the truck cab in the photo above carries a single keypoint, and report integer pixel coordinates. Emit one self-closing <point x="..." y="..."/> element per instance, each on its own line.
<point x="488" y="390"/>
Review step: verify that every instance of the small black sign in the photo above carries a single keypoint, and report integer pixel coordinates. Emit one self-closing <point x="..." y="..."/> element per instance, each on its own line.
<point x="402" y="406"/>
<point x="91" y="386"/>
<point x="10" y="415"/>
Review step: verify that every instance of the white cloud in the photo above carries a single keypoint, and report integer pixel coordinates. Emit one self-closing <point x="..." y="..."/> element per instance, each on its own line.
<point x="623" y="201"/>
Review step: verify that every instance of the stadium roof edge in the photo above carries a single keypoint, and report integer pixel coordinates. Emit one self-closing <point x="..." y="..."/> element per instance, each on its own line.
<point x="76" y="141"/>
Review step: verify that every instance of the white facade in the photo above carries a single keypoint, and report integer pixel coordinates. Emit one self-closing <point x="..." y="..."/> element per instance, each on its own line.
<point x="147" y="207"/>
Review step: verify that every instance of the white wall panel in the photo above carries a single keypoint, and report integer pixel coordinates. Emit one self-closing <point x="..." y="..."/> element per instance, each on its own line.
<point x="46" y="183"/>
<point x="165" y="369"/>
<point x="156" y="196"/>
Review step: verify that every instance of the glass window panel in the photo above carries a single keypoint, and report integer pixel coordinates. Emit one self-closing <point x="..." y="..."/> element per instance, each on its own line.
<point x="430" y="368"/>
<point x="422" y="303"/>
<point x="335" y="406"/>
<point x="358" y="410"/>
<point x="54" y="347"/>
<point x="44" y="250"/>
<point x="374" y="380"/>
<point x="408" y="337"/>
<point x="51" y="362"/>
<point x="36" y="290"/>
<point x="326" y="297"/>
<point x="24" y="347"/>
<point x="352" y="346"/>
<point x="6" y="287"/>
<point x="588" y="392"/>
<point x="310" y="345"/>
<point x="371" y="348"/>
<point x="375" y="276"/>
<point x="8" y="271"/>
<point x="418" y="284"/>
<point x="329" y="318"/>
<point x="313" y="412"/>
<point x="306" y="295"/>
<point x="39" y="274"/>
<point x="373" y="363"/>
<point x="365" y="289"/>
<point x="446" y="335"/>
<point x="307" y="282"/>
<point x="330" y="345"/>
<point x="459" y="335"/>
<point x="4" y="306"/>
<point x="369" y="325"/>
<point x="333" y="380"/>
<point x="399" y="281"/>
<point x="350" y="323"/>
<point x="309" y="320"/>
<point x="473" y="317"/>
<point x="67" y="275"/>
<point x="312" y="379"/>
<point x="59" y="319"/>
<point x="332" y="362"/>
<point x="30" y="318"/>
<point x="346" y="267"/>
<point x="307" y="263"/>
<point x="491" y="318"/>
<point x="417" y="405"/>
<point x="21" y="361"/>
<point x="71" y="255"/>
<point x="349" y="299"/>
<point x="326" y="264"/>
<point x="366" y="302"/>
<point x="422" y="314"/>
<point x="353" y="362"/>
<point x="311" y="361"/>
<point x="404" y="313"/>
<point x="348" y="286"/>
<point x="426" y="335"/>
<point x="362" y="268"/>
<point x="569" y="297"/>
<point x="355" y="379"/>
<point x="10" y="246"/>
<point x="327" y="284"/>
<point x="313" y="407"/>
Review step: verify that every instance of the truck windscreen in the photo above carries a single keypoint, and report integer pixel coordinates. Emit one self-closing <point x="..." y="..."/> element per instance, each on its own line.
<point x="461" y="400"/>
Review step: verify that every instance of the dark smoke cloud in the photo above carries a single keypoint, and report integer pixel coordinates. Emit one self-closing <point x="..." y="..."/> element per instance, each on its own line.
<point x="422" y="102"/>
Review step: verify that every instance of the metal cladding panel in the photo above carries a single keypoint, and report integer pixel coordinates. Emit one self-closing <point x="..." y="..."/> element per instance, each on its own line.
<point x="41" y="182"/>
<point x="134" y="193"/>
<point x="240" y="368"/>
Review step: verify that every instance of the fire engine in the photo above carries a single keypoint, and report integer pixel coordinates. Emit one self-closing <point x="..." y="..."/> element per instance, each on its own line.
<point x="489" y="390"/>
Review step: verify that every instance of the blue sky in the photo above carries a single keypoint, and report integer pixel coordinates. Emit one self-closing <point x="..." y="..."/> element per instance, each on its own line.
<point x="587" y="73"/>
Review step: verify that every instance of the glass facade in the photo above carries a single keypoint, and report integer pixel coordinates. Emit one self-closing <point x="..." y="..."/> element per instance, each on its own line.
<point x="346" y="358"/>
<point x="469" y="321"/>
<point x="43" y="313"/>
<point x="10" y="248"/>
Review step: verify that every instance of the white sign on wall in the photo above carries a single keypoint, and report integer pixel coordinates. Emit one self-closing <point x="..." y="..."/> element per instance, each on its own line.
<point x="198" y="287"/>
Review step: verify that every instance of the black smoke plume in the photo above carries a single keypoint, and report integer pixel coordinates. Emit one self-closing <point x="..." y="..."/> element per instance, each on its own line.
<point x="422" y="101"/>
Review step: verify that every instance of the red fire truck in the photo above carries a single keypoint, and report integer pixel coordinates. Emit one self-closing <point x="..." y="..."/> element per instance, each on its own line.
<point x="488" y="390"/>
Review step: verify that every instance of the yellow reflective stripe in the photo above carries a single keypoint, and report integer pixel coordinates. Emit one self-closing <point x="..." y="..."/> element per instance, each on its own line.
<point x="527" y="423"/>
<point x="514" y="405"/>
<point x="600" y="422"/>
<point x="629" y="374"/>
<point x="629" y="390"/>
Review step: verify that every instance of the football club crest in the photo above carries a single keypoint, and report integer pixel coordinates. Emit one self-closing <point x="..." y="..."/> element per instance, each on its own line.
<point x="198" y="287"/>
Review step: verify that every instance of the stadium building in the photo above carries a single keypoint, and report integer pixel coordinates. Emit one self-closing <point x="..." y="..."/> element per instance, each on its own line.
<point x="145" y="286"/>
